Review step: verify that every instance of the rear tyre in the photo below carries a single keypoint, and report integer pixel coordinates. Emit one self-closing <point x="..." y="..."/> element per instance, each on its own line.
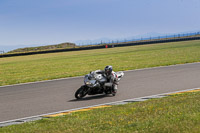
<point x="114" y="93"/>
<point x="81" y="92"/>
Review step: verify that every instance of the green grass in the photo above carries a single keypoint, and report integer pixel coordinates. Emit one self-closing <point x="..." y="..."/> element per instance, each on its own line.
<point x="14" y="70"/>
<point x="177" y="113"/>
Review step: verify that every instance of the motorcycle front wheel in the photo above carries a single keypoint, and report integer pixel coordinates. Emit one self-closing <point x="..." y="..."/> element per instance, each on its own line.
<point x="81" y="92"/>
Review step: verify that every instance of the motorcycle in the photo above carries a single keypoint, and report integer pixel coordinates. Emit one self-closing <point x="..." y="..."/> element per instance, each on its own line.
<point x="95" y="83"/>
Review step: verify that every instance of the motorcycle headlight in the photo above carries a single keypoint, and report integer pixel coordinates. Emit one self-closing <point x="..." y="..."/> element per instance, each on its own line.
<point x="87" y="83"/>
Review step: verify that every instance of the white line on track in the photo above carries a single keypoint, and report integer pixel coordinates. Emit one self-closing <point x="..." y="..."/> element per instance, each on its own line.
<point x="83" y="76"/>
<point x="31" y="118"/>
<point x="37" y="117"/>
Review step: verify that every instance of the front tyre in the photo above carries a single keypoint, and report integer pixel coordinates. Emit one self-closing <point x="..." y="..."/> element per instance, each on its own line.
<point x="81" y="92"/>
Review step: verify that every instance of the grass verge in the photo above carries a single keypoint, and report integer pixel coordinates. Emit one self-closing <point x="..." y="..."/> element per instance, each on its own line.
<point x="14" y="70"/>
<point x="177" y="113"/>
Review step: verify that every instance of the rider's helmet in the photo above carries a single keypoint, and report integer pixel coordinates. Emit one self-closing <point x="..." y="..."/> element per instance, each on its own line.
<point x="108" y="70"/>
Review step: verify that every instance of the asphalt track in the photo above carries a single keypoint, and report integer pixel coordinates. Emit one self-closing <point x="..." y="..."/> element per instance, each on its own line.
<point x="19" y="101"/>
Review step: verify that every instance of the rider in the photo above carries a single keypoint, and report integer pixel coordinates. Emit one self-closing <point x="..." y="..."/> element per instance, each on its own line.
<point x="111" y="76"/>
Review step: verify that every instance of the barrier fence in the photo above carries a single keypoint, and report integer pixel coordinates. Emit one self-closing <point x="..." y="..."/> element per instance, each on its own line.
<point x="142" y="41"/>
<point x="170" y="36"/>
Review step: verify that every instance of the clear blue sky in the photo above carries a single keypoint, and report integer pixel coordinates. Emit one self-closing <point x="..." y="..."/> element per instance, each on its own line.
<point x="28" y="22"/>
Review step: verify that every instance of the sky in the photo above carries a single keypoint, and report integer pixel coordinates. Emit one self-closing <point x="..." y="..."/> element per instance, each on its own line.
<point x="44" y="22"/>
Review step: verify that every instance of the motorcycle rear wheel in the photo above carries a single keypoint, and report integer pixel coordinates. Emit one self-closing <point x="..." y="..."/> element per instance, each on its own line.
<point x="81" y="92"/>
<point x="114" y="92"/>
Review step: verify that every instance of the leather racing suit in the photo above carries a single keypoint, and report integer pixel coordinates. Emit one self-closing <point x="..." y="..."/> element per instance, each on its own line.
<point x="111" y="78"/>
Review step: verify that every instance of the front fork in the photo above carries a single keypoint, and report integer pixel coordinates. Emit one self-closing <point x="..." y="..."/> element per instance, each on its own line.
<point x="85" y="89"/>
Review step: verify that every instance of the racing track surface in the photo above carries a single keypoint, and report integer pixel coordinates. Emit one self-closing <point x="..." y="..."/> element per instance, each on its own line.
<point x="32" y="99"/>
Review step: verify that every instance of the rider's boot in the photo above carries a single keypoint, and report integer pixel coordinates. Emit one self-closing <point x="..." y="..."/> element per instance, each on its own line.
<point x="114" y="88"/>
